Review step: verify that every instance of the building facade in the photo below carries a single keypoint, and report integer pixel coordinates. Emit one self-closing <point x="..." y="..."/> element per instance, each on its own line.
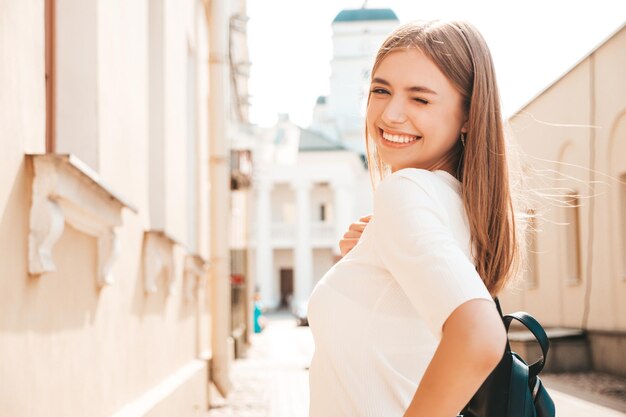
<point x="357" y="35"/>
<point x="310" y="184"/>
<point x="304" y="185"/>
<point x="573" y="138"/>
<point x="114" y="187"/>
<point x="241" y="141"/>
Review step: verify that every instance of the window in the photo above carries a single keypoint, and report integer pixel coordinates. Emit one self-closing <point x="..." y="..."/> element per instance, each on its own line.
<point x="157" y="112"/>
<point x="49" y="23"/>
<point x="532" y="279"/>
<point x="74" y="62"/>
<point x="323" y="212"/>
<point x="572" y="239"/>
<point x="623" y="221"/>
<point x="192" y="154"/>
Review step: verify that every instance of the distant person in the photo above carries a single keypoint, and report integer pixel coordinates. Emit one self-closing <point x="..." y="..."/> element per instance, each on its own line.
<point x="405" y="323"/>
<point x="259" y="319"/>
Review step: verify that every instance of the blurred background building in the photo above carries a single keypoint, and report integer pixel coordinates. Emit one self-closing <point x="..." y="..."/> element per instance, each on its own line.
<point x="304" y="199"/>
<point x="573" y="135"/>
<point x="116" y="123"/>
<point x="313" y="182"/>
<point x="356" y="35"/>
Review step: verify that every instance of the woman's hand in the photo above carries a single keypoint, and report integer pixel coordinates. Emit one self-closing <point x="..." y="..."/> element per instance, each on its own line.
<point x="352" y="236"/>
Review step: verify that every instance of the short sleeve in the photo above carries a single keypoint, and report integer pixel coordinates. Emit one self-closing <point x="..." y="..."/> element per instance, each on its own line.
<point x="415" y="243"/>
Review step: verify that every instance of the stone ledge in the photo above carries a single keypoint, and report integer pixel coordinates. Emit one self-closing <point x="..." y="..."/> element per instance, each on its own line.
<point x="158" y="257"/>
<point x="524" y="335"/>
<point x="66" y="190"/>
<point x="569" y="349"/>
<point x="196" y="270"/>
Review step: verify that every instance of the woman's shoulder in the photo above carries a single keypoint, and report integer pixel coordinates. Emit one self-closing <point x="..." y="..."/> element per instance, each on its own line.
<point x="406" y="186"/>
<point x="420" y="181"/>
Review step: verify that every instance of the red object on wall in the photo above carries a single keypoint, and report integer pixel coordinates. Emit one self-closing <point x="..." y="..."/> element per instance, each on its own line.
<point x="237" y="279"/>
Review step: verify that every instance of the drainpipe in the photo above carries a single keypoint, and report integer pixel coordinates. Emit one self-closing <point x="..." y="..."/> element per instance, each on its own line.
<point x="219" y="168"/>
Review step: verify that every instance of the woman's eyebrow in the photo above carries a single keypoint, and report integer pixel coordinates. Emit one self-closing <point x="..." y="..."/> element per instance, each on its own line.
<point x="416" y="89"/>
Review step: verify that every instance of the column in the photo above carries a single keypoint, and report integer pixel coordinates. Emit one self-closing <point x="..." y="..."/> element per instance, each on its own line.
<point x="220" y="196"/>
<point x="343" y="210"/>
<point x="303" y="253"/>
<point x="264" y="253"/>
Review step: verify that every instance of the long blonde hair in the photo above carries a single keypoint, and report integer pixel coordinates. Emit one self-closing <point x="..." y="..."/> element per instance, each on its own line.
<point x="462" y="55"/>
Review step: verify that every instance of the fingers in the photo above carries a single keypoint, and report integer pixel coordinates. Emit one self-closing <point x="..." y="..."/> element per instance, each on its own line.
<point x="352" y="234"/>
<point x="346" y="245"/>
<point x="357" y="227"/>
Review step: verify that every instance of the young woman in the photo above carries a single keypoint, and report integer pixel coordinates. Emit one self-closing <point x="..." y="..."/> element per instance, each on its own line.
<point x="405" y="323"/>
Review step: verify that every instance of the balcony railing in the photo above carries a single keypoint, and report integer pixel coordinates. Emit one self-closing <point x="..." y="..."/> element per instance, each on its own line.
<point x="285" y="234"/>
<point x="323" y="231"/>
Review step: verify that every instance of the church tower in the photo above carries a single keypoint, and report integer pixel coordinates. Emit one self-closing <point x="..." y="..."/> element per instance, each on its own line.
<point x="357" y="35"/>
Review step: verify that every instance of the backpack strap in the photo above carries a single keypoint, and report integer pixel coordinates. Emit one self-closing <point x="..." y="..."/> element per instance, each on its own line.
<point x="520" y="399"/>
<point x="498" y="306"/>
<point x="540" y="334"/>
<point x="534" y="327"/>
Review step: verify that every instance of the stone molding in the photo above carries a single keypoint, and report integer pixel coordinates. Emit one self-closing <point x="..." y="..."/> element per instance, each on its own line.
<point x="66" y="190"/>
<point x="158" y="256"/>
<point x="195" y="275"/>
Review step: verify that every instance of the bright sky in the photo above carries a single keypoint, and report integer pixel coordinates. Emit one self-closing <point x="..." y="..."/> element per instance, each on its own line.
<point x="532" y="43"/>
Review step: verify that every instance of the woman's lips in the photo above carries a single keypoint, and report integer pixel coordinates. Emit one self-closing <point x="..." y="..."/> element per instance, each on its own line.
<point x="392" y="144"/>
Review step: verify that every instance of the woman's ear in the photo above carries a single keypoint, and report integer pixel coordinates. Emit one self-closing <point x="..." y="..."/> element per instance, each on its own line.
<point x="465" y="121"/>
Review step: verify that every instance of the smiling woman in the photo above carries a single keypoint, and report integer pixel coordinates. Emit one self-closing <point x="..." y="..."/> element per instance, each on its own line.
<point x="405" y="323"/>
<point x="415" y="114"/>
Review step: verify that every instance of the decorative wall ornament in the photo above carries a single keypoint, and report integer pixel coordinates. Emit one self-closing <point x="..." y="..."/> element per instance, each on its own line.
<point x="196" y="271"/>
<point x="65" y="190"/>
<point x="158" y="257"/>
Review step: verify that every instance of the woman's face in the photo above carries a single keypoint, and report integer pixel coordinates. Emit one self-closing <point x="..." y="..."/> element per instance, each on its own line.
<point x="415" y="114"/>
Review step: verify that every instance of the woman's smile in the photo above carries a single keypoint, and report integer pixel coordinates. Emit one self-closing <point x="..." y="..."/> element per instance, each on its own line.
<point x="395" y="140"/>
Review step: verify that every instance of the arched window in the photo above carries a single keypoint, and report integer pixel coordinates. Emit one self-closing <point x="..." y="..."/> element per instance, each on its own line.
<point x="532" y="265"/>
<point x="572" y="239"/>
<point x="49" y="18"/>
<point x="622" y="208"/>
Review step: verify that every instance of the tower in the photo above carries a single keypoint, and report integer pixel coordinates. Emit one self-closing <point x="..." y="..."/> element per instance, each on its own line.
<point x="357" y="35"/>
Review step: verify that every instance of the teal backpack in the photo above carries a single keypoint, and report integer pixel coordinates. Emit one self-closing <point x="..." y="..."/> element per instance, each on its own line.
<point x="514" y="389"/>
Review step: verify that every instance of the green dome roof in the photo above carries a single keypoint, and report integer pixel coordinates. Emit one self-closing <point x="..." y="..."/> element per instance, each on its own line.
<point x="357" y="15"/>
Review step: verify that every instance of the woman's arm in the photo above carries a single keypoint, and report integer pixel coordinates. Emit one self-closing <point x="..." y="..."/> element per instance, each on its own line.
<point x="415" y="242"/>
<point x="471" y="346"/>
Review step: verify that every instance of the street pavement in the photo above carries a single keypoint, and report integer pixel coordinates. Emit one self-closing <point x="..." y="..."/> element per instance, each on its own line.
<point x="272" y="381"/>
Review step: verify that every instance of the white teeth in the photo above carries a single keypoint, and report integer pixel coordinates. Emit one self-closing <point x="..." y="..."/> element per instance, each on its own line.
<point x="398" y="138"/>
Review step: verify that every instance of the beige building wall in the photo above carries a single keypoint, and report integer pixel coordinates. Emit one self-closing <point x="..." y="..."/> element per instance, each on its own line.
<point x="72" y="345"/>
<point x="574" y="137"/>
<point x="241" y="137"/>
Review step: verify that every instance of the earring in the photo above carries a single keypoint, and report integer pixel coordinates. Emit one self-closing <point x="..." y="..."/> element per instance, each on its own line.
<point x="463" y="139"/>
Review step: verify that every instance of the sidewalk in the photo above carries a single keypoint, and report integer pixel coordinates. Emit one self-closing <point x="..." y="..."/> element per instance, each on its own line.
<point x="597" y="393"/>
<point x="273" y="380"/>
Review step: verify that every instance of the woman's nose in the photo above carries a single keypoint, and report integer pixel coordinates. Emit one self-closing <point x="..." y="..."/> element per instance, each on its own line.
<point x="394" y="112"/>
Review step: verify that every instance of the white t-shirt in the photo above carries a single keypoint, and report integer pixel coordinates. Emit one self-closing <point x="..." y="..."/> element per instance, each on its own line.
<point x="377" y="314"/>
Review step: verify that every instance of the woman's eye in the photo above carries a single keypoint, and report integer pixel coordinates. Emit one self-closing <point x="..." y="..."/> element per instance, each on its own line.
<point x="421" y="100"/>
<point x="379" y="91"/>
